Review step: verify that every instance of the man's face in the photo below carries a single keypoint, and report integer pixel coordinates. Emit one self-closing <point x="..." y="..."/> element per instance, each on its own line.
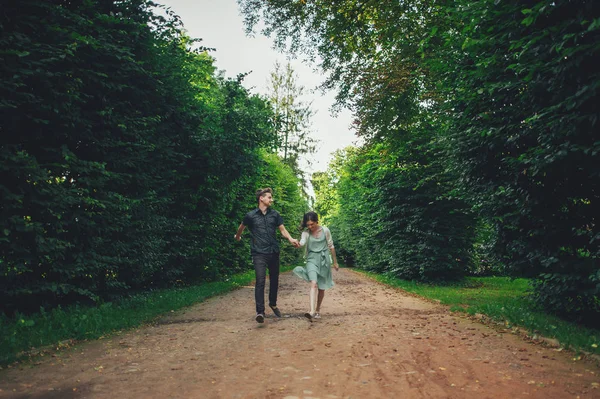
<point x="266" y="199"/>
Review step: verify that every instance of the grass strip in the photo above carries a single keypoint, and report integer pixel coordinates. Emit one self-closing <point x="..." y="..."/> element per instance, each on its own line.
<point x="503" y="300"/>
<point x="21" y="335"/>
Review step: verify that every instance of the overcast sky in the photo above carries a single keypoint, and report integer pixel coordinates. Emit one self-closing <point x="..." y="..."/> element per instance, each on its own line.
<point x="219" y="24"/>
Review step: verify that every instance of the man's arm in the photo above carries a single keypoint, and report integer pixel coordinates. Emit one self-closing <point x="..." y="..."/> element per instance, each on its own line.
<point x="287" y="235"/>
<point x="238" y="234"/>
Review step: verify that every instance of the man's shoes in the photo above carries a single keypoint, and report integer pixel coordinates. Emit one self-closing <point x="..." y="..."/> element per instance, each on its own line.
<point x="317" y="316"/>
<point x="275" y="310"/>
<point x="309" y="316"/>
<point x="260" y="318"/>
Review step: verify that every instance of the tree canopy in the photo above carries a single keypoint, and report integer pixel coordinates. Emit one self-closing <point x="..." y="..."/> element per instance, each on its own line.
<point x="484" y="113"/>
<point x="127" y="160"/>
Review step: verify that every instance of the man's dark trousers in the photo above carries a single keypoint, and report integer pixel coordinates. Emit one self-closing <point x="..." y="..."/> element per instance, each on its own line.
<point x="261" y="263"/>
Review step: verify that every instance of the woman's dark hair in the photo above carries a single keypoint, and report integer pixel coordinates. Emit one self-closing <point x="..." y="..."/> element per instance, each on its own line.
<point x="312" y="216"/>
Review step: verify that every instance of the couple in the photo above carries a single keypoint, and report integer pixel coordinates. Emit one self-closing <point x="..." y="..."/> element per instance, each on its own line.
<point x="262" y="223"/>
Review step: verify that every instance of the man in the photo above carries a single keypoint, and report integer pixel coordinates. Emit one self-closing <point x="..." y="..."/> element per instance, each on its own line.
<point x="262" y="223"/>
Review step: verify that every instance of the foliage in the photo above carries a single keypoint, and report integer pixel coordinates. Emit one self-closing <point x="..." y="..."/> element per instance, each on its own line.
<point x="292" y="117"/>
<point x="484" y="261"/>
<point x="363" y="46"/>
<point x="397" y="210"/>
<point x="126" y="161"/>
<point x="388" y="220"/>
<point x="324" y="187"/>
<point x="522" y="88"/>
<point x="500" y="97"/>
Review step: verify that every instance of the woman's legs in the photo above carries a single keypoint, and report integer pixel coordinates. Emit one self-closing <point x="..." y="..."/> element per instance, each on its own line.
<point x="320" y="300"/>
<point x="313" y="292"/>
<point x="313" y="297"/>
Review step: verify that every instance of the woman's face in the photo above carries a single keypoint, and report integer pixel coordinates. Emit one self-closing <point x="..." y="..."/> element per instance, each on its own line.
<point x="312" y="226"/>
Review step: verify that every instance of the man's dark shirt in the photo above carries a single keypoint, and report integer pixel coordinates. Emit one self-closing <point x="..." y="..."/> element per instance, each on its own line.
<point x="262" y="229"/>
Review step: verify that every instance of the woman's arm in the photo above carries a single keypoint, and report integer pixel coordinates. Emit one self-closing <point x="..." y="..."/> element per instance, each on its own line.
<point x="303" y="238"/>
<point x="335" y="263"/>
<point x="331" y="248"/>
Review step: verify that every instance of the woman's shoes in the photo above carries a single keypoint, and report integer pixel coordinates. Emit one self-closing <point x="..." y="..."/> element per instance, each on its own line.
<point x="310" y="316"/>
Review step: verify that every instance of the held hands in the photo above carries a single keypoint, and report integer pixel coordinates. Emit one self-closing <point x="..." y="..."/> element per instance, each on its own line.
<point x="336" y="266"/>
<point x="295" y="243"/>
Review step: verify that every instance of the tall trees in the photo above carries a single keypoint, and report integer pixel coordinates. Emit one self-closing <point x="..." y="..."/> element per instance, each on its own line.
<point x="522" y="91"/>
<point x="493" y="100"/>
<point x="126" y="161"/>
<point x="292" y="116"/>
<point x="397" y="188"/>
<point x="392" y="216"/>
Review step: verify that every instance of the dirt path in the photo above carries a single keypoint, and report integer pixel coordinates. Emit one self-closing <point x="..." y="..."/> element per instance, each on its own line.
<point x="372" y="342"/>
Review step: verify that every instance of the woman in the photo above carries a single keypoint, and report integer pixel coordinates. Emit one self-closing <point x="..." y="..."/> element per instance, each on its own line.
<point x="317" y="272"/>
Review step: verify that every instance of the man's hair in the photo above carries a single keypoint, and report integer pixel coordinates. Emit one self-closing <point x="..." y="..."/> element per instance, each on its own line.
<point x="262" y="192"/>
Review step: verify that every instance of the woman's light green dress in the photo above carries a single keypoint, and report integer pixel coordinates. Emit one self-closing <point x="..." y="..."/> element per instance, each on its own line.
<point x="318" y="259"/>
